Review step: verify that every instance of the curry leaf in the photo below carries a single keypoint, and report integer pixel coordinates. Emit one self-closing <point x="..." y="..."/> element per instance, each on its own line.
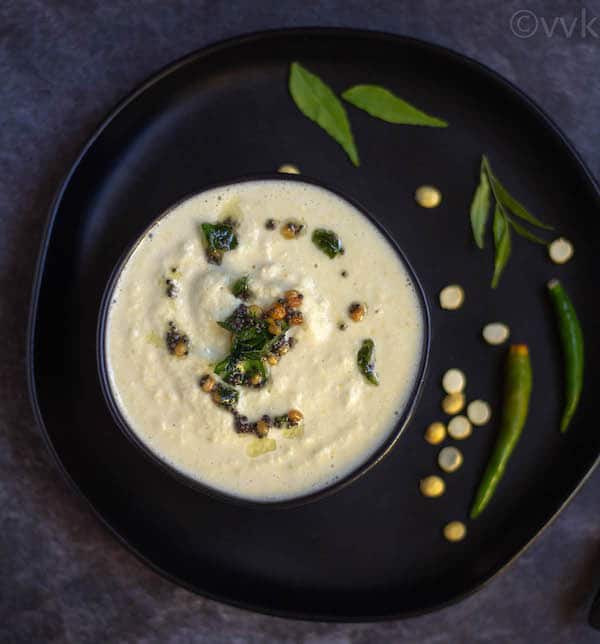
<point x="251" y="342"/>
<point x="502" y="244"/>
<point x="228" y="369"/>
<point x="220" y="236"/>
<point x="254" y="366"/>
<point x="219" y="239"/>
<point x="226" y="396"/>
<point x="252" y="339"/>
<point x="383" y="104"/>
<point x="240" y="319"/>
<point x="223" y="367"/>
<point x="317" y="101"/>
<point x="480" y="208"/>
<point x="527" y="234"/>
<point x="241" y="288"/>
<point x="239" y="370"/>
<point x="364" y="359"/>
<point x="515" y="207"/>
<point x="328" y="242"/>
<point x="509" y="202"/>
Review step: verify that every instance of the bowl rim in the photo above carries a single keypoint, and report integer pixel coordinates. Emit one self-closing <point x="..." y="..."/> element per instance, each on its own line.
<point x="375" y="457"/>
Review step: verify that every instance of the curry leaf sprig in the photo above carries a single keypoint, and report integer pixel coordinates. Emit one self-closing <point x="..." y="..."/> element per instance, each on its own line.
<point x="506" y="210"/>
<point x="317" y="101"/>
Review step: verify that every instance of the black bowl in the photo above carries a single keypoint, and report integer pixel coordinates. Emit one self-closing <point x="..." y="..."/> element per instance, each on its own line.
<point x="335" y="485"/>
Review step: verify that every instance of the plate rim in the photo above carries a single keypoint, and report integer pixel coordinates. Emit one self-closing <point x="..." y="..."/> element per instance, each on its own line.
<point x="151" y="80"/>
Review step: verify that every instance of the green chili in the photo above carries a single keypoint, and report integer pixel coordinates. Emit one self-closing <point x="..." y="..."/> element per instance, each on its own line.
<point x="517" y="391"/>
<point x="571" y="338"/>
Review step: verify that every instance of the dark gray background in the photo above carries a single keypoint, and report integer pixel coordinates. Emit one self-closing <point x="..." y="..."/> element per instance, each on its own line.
<point x="62" y="66"/>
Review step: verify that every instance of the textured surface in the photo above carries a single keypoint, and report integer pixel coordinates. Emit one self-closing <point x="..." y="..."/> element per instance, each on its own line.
<point x="63" y="66"/>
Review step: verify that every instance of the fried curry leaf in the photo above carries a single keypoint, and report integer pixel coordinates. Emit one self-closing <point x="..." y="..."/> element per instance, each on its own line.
<point x="226" y="396"/>
<point x="328" y="242"/>
<point x="365" y="361"/>
<point x="241" y="370"/>
<point x="241" y="288"/>
<point x="251" y="341"/>
<point x="276" y="341"/>
<point x="383" y="104"/>
<point x="219" y="238"/>
<point x="228" y="370"/>
<point x="240" y="319"/>
<point x="254" y="366"/>
<point x="254" y="339"/>
<point x="221" y="368"/>
<point x="316" y="100"/>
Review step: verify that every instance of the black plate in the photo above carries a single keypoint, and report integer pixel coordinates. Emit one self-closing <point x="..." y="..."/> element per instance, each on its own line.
<point x="374" y="550"/>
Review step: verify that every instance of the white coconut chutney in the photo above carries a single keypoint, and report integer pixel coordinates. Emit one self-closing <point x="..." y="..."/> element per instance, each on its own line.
<point x="345" y="417"/>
